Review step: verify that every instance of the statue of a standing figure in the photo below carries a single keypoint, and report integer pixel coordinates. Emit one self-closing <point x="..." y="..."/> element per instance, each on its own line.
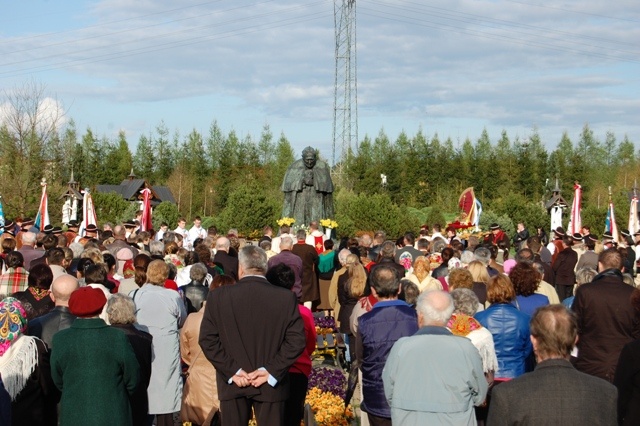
<point x="308" y="190"/>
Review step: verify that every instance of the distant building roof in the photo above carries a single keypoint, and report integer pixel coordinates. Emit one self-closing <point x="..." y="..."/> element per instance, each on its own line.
<point x="556" y="200"/>
<point x="130" y="189"/>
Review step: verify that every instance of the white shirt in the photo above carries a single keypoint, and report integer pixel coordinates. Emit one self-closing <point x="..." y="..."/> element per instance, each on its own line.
<point x="185" y="236"/>
<point x="195" y="233"/>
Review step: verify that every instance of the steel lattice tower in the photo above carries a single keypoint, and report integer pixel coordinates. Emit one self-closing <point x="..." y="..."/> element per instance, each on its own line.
<point x="345" y="104"/>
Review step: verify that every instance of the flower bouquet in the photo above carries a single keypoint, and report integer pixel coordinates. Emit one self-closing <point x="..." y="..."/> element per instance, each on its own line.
<point x="328" y="223"/>
<point x="286" y="221"/>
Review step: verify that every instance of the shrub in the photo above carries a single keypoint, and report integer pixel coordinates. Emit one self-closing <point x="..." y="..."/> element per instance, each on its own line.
<point x="370" y="213"/>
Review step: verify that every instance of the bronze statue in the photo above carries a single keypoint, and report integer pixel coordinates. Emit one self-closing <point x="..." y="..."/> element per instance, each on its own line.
<point x="308" y="190"/>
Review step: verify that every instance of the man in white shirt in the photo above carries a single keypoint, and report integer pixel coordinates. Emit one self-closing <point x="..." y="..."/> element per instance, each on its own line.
<point x="196" y="231"/>
<point x="163" y="228"/>
<point x="182" y="230"/>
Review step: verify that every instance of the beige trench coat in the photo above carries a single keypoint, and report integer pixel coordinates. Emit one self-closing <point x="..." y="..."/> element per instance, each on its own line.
<point x="200" y="395"/>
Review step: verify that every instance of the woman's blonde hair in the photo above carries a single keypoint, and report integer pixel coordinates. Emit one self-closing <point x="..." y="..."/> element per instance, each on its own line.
<point x="157" y="272"/>
<point x="478" y="272"/>
<point x="421" y="268"/>
<point x="357" y="276"/>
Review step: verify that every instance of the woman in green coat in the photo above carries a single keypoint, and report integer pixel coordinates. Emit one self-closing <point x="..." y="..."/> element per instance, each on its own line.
<point x="93" y="365"/>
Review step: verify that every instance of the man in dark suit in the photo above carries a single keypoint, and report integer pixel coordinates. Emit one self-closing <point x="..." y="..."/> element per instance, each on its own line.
<point x="606" y="318"/>
<point x="309" y="256"/>
<point x="228" y="263"/>
<point x="555" y="392"/>
<point x="252" y="333"/>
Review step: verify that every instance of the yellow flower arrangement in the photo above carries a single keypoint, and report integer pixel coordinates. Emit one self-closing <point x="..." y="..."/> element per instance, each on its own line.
<point x="328" y="223"/>
<point x="255" y="234"/>
<point x="286" y="221"/>
<point x="328" y="408"/>
<point x="324" y="330"/>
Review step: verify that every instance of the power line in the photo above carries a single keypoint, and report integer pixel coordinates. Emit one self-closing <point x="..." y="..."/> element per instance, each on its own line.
<point x="474" y="19"/>
<point x="30" y="18"/>
<point x="481" y="33"/>
<point x="575" y="11"/>
<point x="156" y="36"/>
<point x="164" y="46"/>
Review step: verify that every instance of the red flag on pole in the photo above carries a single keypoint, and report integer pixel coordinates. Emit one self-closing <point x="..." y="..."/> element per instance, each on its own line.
<point x="145" y="223"/>
<point x="575" y="222"/>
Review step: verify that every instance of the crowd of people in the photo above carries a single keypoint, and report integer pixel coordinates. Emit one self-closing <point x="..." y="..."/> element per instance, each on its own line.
<point x="124" y="327"/>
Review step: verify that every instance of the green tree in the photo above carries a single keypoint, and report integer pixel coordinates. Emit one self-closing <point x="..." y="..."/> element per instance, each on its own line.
<point x="144" y="159"/>
<point x="520" y="208"/>
<point x="28" y="141"/>
<point x="370" y="213"/>
<point x="91" y="166"/>
<point x="488" y="217"/>
<point x="215" y="145"/>
<point x="165" y="212"/>
<point x="249" y="209"/>
<point x="164" y="155"/>
<point x="119" y="161"/>
<point x="109" y="206"/>
<point x="265" y="145"/>
<point x="283" y="158"/>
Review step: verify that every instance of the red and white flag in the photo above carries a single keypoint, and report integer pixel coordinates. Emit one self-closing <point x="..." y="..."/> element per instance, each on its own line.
<point x="145" y="222"/>
<point x="88" y="212"/>
<point x="634" y="223"/>
<point x="575" y="221"/>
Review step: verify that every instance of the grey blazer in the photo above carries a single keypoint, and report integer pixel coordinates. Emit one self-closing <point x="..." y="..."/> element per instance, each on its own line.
<point x="555" y="393"/>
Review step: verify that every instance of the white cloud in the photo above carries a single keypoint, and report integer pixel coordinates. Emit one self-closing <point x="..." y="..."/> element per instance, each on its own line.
<point x="506" y="63"/>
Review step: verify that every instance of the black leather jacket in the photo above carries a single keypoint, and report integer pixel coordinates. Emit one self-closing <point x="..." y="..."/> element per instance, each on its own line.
<point x="46" y="326"/>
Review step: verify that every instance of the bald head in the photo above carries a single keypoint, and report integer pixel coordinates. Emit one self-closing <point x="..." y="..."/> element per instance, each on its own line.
<point x="434" y="308"/>
<point x="223" y="244"/>
<point x="61" y="289"/>
<point x="119" y="232"/>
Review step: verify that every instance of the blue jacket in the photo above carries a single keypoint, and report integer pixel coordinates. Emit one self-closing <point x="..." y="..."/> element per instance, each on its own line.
<point x="510" y="330"/>
<point x="378" y="330"/>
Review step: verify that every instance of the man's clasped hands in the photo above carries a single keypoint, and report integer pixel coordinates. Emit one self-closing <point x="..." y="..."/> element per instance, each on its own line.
<point x="256" y="378"/>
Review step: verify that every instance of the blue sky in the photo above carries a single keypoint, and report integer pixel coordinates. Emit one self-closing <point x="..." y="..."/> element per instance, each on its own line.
<point x="448" y="66"/>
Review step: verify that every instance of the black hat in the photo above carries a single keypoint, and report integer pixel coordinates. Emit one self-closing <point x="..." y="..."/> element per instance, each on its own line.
<point x="9" y="228"/>
<point x="607" y="237"/>
<point x="494" y="226"/>
<point x="73" y="224"/>
<point x="91" y="228"/>
<point x="591" y="238"/>
<point x="636" y="234"/>
<point x="559" y="231"/>
<point x="56" y="230"/>
<point x="625" y="233"/>
<point x="577" y="236"/>
<point x="129" y="224"/>
<point x="47" y="229"/>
